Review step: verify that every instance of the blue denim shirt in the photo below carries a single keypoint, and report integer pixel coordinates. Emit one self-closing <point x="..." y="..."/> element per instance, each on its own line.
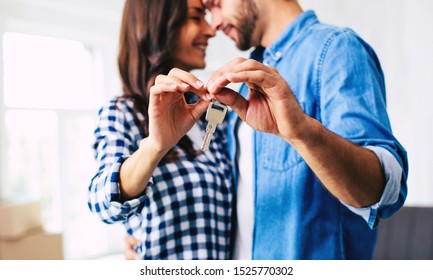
<point x="337" y="79"/>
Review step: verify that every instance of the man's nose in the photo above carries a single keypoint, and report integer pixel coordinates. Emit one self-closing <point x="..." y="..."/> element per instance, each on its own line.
<point x="216" y="21"/>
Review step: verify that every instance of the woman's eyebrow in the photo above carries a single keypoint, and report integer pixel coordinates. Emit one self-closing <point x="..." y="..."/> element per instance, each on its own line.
<point x="200" y="10"/>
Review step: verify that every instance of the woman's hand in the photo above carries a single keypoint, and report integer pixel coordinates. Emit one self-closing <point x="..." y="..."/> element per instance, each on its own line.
<point x="129" y="251"/>
<point x="170" y="117"/>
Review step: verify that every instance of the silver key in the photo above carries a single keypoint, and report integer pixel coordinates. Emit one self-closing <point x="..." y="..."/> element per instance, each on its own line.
<point x="215" y="115"/>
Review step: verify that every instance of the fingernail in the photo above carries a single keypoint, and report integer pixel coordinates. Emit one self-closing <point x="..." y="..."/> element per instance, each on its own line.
<point x="199" y="83"/>
<point x="209" y="96"/>
<point x="173" y="86"/>
<point x="184" y="85"/>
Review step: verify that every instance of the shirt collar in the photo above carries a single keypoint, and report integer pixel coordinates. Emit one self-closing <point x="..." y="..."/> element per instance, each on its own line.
<point x="276" y="50"/>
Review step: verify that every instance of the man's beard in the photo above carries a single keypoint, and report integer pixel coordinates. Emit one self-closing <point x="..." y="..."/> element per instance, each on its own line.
<point x="246" y="21"/>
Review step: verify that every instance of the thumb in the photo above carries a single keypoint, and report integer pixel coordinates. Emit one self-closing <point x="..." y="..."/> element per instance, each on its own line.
<point x="198" y="108"/>
<point x="234" y="100"/>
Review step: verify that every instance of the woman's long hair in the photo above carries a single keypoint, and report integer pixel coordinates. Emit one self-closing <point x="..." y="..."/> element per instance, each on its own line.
<point x="148" y="38"/>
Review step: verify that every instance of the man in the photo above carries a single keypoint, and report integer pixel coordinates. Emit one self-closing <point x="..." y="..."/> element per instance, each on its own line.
<point x="326" y="167"/>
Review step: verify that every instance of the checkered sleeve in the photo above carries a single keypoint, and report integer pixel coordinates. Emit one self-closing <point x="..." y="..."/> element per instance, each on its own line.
<point x="115" y="140"/>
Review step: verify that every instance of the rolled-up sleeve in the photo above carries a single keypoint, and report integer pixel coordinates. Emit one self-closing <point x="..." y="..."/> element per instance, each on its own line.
<point x="114" y="143"/>
<point x="393" y="176"/>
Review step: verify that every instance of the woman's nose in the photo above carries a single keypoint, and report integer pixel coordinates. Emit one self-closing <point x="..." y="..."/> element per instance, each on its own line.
<point x="209" y="31"/>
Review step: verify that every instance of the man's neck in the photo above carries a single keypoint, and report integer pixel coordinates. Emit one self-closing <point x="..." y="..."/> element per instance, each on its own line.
<point x="280" y="14"/>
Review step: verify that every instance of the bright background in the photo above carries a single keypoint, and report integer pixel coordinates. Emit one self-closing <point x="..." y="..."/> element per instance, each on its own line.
<point x="58" y="65"/>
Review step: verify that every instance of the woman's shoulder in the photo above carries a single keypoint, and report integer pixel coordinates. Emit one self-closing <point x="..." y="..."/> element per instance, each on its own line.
<point x="117" y="105"/>
<point x="117" y="114"/>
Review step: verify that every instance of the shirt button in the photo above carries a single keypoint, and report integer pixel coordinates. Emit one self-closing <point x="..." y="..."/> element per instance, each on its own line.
<point x="278" y="55"/>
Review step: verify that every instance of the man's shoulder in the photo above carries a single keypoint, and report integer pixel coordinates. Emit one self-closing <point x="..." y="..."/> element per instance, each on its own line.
<point x="326" y="33"/>
<point x="329" y="38"/>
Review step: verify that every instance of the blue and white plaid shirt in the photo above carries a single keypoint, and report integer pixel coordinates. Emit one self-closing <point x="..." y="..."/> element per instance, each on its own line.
<point x="186" y="210"/>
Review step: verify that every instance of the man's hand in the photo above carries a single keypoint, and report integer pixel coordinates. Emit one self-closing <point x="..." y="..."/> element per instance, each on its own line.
<point x="271" y="106"/>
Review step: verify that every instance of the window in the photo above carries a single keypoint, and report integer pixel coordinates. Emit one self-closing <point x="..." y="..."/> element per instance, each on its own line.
<point x="53" y="88"/>
<point x="44" y="72"/>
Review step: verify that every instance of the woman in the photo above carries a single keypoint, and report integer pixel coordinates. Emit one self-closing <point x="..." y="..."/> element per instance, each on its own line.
<point x="174" y="200"/>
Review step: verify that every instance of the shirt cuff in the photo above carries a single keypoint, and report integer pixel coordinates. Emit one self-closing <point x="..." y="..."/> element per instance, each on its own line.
<point x="113" y="193"/>
<point x="393" y="173"/>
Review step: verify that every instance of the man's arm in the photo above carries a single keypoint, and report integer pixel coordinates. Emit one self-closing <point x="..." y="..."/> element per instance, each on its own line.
<point x="351" y="173"/>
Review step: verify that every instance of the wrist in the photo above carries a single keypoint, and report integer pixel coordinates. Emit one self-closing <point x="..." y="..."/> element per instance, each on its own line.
<point x="307" y="133"/>
<point x="151" y="149"/>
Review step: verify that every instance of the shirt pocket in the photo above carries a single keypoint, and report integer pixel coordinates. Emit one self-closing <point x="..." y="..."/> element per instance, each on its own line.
<point x="278" y="155"/>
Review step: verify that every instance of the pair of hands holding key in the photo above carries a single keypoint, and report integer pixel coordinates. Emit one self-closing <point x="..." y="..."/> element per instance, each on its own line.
<point x="270" y="107"/>
<point x="343" y="167"/>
